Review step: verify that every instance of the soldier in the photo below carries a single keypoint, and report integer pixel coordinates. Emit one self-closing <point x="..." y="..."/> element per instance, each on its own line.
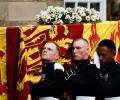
<point x="51" y="86"/>
<point x="109" y="71"/>
<point x="82" y="78"/>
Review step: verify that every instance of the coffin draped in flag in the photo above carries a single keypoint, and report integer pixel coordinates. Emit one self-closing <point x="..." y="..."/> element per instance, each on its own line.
<point x="12" y="51"/>
<point x="20" y="47"/>
<point x="3" y="62"/>
<point x="94" y="33"/>
<point x="32" y="39"/>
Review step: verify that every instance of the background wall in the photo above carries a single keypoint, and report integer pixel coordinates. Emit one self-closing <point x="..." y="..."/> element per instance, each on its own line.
<point x="22" y="12"/>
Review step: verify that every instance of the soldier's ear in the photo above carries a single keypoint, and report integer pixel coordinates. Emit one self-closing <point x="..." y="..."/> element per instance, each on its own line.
<point x="114" y="53"/>
<point x="57" y="56"/>
<point x="87" y="48"/>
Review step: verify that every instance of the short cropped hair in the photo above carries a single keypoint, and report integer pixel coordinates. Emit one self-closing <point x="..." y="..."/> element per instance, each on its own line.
<point x="108" y="43"/>
<point x="77" y="39"/>
<point x="80" y="39"/>
<point x="57" y="46"/>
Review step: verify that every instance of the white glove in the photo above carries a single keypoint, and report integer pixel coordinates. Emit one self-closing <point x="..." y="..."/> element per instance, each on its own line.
<point x="58" y="66"/>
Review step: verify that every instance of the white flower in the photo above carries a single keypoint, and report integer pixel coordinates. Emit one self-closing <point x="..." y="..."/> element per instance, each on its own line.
<point x="50" y="9"/>
<point x="60" y="22"/>
<point x="52" y="15"/>
<point x="58" y="66"/>
<point x="62" y="9"/>
<point x="69" y="10"/>
<point x="93" y="18"/>
<point x="60" y="15"/>
<point x="43" y="14"/>
<point x="93" y="10"/>
<point x="78" y="18"/>
<point x="97" y="13"/>
<point x="37" y="17"/>
<point x="67" y="17"/>
<point x="87" y="18"/>
<point x="88" y="11"/>
<point x="49" y="17"/>
<point x="97" y="17"/>
<point x="82" y="13"/>
<point x="82" y="8"/>
<point x="73" y="15"/>
<point x="71" y="21"/>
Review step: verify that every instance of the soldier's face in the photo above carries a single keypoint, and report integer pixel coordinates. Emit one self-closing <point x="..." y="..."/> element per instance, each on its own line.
<point x="105" y="54"/>
<point x="49" y="52"/>
<point x="80" y="50"/>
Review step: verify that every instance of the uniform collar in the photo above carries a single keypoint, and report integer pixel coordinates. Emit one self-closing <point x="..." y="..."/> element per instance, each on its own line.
<point x="48" y="64"/>
<point x="48" y="67"/>
<point x="81" y="62"/>
<point x="108" y="67"/>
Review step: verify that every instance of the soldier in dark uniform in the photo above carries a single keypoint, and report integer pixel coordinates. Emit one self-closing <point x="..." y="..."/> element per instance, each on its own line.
<point x="52" y="83"/>
<point x="109" y="71"/>
<point x="82" y="78"/>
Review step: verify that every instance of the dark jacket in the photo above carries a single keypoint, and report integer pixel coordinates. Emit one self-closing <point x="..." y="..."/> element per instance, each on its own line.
<point x="53" y="84"/>
<point x="110" y="80"/>
<point x="82" y="79"/>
